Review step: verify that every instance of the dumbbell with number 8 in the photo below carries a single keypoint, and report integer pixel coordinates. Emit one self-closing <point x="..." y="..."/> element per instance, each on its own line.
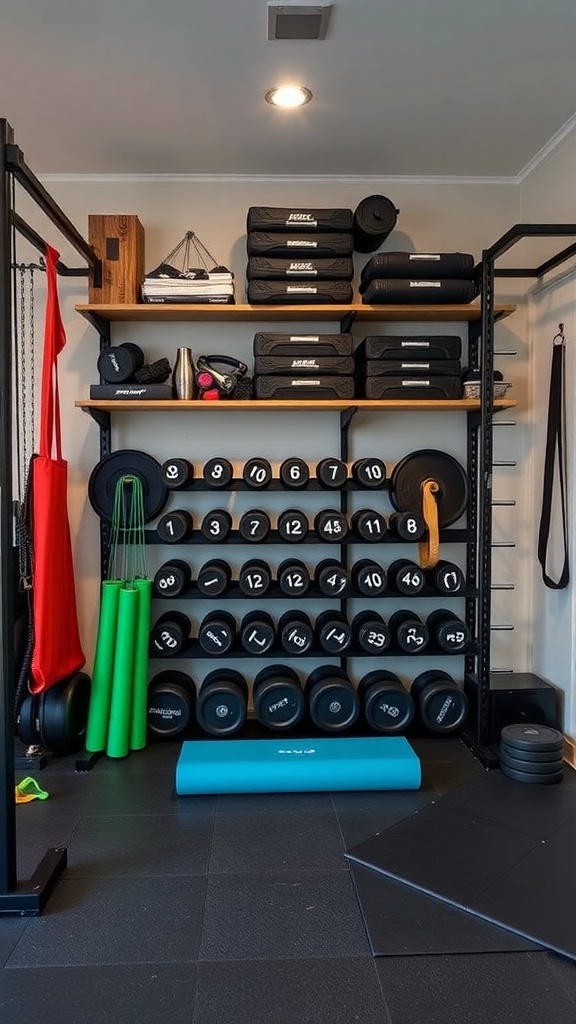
<point x="218" y="472"/>
<point x="407" y="525"/>
<point x="331" y="525"/>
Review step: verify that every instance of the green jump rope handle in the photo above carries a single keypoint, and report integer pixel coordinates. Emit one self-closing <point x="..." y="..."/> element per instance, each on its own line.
<point x="101" y="689"/>
<point x="139" y="718"/>
<point x="121" y="701"/>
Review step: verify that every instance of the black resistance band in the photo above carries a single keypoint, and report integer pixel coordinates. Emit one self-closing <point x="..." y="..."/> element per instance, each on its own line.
<point x="555" y="452"/>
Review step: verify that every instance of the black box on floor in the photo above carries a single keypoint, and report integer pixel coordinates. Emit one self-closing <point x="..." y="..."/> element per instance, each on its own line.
<point x="514" y="698"/>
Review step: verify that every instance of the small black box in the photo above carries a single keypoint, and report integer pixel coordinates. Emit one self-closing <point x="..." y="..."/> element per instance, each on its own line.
<point x="515" y="697"/>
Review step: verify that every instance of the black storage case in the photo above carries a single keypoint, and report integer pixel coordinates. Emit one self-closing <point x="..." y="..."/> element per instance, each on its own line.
<point x="302" y="344"/>
<point x="413" y="368"/>
<point x="442" y="265"/>
<point x="288" y="218"/>
<point x="413" y="388"/>
<point x="318" y="365"/>
<point x="416" y="346"/>
<point x="288" y="245"/>
<point x="321" y="388"/>
<point x="339" y="268"/>
<point x="515" y="698"/>
<point x="299" y="293"/>
<point x="419" y="291"/>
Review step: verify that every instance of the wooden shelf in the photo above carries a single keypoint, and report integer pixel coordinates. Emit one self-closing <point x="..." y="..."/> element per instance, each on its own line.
<point x="253" y="405"/>
<point x="152" y="313"/>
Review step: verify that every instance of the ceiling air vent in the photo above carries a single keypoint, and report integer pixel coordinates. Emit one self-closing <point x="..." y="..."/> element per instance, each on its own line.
<point x="291" y="21"/>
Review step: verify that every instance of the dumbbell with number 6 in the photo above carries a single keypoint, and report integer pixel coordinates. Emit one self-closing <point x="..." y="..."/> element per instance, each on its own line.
<point x="294" y="473"/>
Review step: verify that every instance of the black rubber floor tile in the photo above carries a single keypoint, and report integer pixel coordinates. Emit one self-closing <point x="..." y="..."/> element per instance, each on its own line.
<point x="440" y="748"/>
<point x="282" y="916"/>
<point x="535" y="810"/>
<point x="445" y="852"/>
<point x="277" y="842"/>
<point x="157" y="757"/>
<point x="278" y="803"/>
<point x="445" y="776"/>
<point x="492" y="988"/>
<point x="401" y="921"/>
<point x="565" y="971"/>
<point x="140" y="844"/>
<point x="11" y="931"/>
<point x="144" y="993"/>
<point x="362" y="815"/>
<point x="536" y="898"/>
<point x="67" y="793"/>
<point x="115" y="921"/>
<point x="36" y="833"/>
<point x="145" y="793"/>
<point x="321" y="991"/>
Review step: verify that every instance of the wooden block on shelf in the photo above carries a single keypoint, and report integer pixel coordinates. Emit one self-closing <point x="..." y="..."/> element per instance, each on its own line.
<point x="118" y="240"/>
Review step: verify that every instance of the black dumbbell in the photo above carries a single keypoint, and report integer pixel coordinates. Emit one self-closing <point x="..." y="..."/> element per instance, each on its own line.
<point x="176" y="474"/>
<point x="257" y="473"/>
<point x="254" y="577"/>
<point x="294" y="473"/>
<point x="172" y="579"/>
<point x="254" y="525"/>
<point x="216" y="525"/>
<point x="331" y="473"/>
<point x="333" y="703"/>
<point x="370" y="473"/>
<point x="410" y="633"/>
<point x="257" y="632"/>
<point x="175" y="527"/>
<point x="295" y="632"/>
<point x="446" y="578"/>
<point x="368" y="525"/>
<point x="406" y="577"/>
<point x="293" y="577"/>
<point x="278" y="698"/>
<point x="332" y="578"/>
<point x="218" y="472"/>
<point x="170" y="634"/>
<point x="331" y="525"/>
<point x="171" y="706"/>
<point x="222" y="702"/>
<point x="369" y="578"/>
<point x="214" y="578"/>
<point x="292" y="525"/>
<point x="387" y="705"/>
<point x="442" y="705"/>
<point x="370" y="632"/>
<point x="448" y="630"/>
<point x="407" y="525"/>
<point x="333" y="631"/>
<point x="117" y="364"/>
<point x="217" y="632"/>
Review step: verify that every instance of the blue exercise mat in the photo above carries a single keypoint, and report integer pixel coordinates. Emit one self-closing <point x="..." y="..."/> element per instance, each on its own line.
<point x="295" y="766"/>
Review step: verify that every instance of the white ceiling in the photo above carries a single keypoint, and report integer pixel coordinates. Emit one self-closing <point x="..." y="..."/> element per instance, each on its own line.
<point x="175" y="87"/>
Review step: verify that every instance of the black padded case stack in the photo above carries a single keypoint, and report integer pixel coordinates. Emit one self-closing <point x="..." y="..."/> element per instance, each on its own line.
<point x="297" y="366"/>
<point x="408" y="278"/>
<point x="415" y="367"/>
<point x="299" y="256"/>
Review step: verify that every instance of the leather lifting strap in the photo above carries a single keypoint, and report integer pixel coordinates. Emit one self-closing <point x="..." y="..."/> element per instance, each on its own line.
<point x="429" y="547"/>
<point x="555" y="456"/>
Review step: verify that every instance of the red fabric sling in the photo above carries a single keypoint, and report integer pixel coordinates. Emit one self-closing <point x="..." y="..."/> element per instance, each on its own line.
<point x="57" y="651"/>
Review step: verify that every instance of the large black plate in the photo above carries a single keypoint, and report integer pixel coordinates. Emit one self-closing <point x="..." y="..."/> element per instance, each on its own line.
<point x="411" y="472"/>
<point x="124" y="462"/>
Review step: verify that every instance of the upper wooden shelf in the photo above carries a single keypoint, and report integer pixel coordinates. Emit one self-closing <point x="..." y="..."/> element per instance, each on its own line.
<point x="159" y="313"/>
<point x="250" y="405"/>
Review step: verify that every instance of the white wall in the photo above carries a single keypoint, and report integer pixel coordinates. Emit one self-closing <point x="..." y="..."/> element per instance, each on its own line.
<point x="465" y="217"/>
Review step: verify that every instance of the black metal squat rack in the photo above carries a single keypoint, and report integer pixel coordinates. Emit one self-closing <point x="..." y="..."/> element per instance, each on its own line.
<point x="29" y="899"/>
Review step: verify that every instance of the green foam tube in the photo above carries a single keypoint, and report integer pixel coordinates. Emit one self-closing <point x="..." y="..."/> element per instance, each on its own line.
<point x="121" y="702"/>
<point x="139" y="719"/>
<point x="101" y="689"/>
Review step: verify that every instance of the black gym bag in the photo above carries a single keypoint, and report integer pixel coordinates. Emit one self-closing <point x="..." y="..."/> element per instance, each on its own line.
<point x="442" y="265"/>
<point x="419" y="292"/>
<point x="289" y="245"/>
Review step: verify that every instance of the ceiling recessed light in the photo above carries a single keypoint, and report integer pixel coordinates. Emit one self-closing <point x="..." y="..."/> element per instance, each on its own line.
<point x="288" y="96"/>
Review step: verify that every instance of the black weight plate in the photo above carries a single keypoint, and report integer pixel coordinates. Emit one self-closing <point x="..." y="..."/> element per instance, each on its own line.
<point x="532" y="777"/>
<point x="126" y="462"/>
<point x="530" y="757"/>
<point x="532" y="737"/>
<point x="532" y="767"/>
<point x="410" y="473"/>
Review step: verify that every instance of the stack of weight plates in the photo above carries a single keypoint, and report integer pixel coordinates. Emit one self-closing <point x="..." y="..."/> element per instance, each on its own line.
<point x="413" y="278"/>
<point x="296" y="366"/>
<point x="299" y="256"/>
<point x="418" y="366"/>
<point x="532" y="753"/>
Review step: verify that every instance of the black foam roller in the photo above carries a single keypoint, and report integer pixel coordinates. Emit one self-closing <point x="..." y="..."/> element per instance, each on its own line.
<point x="374" y="219"/>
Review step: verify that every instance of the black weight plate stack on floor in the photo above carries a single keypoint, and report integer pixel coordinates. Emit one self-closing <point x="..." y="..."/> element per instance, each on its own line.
<point x="296" y="366"/>
<point x="299" y="257"/>
<point x="411" y="278"/>
<point x="409" y="367"/>
<point x="532" y="754"/>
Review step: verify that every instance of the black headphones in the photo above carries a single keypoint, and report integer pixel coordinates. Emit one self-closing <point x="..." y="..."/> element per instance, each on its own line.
<point x="57" y="718"/>
<point x="214" y="384"/>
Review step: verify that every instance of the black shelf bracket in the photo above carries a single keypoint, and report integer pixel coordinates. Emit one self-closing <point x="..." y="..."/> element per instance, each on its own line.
<point x="347" y="322"/>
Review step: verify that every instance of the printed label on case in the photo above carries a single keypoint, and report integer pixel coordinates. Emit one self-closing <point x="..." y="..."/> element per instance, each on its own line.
<point x="305" y="362"/>
<point x="304" y="337"/>
<point x="424" y="256"/>
<point x="306" y="382"/>
<point x="415" y="366"/>
<point x="415" y="344"/>
<point x="302" y="218"/>
<point x="301" y="267"/>
<point x="301" y="243"/>
<point x="415" y="383"/>
<point x="301" y="288"/>
<point x="425" y="284"/>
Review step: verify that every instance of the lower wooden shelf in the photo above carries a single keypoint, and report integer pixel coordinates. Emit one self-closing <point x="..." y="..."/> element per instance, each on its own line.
<point x="252" y="405"/>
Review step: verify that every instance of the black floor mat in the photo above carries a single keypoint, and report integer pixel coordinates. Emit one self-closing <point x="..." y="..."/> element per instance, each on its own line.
<point x="500" y="850"/>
